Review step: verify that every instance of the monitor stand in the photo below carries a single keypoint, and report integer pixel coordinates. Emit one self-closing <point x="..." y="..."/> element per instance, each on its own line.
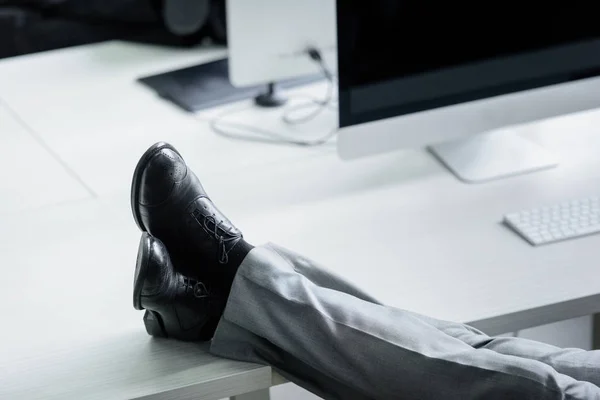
<point x="271" y="98"/>
<point x="494" y="155"/>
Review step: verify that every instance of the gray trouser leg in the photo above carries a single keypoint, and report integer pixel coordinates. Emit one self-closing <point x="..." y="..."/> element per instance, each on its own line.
<point x="579" y="364"/>
<point x="361" y="349"/>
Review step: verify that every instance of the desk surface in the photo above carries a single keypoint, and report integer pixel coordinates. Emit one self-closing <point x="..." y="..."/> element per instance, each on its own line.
<point x="398" y="225"/>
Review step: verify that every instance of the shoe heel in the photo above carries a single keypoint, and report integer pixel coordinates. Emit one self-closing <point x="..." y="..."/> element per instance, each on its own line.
<point x="154" y="325"/>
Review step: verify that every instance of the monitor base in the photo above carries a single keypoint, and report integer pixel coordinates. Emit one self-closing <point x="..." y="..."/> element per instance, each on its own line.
<point x="271" y="98"/>
<point x="490" y="156"/>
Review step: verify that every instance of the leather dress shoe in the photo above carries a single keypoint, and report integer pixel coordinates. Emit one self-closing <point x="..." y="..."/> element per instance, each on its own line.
<point x="169" y="202"/>
<point x="176" y="306"/>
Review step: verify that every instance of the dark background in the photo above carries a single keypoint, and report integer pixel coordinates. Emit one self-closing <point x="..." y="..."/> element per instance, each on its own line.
<point x="29" y="26"/>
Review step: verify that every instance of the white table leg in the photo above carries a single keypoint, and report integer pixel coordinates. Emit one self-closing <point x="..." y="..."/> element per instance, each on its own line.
<point x="258" y="395"/>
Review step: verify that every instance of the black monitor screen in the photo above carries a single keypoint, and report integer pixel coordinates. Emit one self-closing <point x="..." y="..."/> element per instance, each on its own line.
<point x="398" y="57"/>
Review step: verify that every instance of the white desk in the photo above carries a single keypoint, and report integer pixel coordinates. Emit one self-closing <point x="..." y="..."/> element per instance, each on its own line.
<point x="86" y="105"/>
<point x="22" y="187"/>
<point x="398" y="225"/>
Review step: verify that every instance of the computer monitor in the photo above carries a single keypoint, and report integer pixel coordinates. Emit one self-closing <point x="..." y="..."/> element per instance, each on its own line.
<point x="447" y="74"/>
<point x="268" y="41"/>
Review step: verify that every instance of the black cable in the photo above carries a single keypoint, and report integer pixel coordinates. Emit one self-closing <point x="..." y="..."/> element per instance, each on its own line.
<point x="255" y="134"/>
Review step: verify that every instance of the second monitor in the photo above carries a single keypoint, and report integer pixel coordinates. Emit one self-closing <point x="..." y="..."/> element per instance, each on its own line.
<point x="268" y="41"/>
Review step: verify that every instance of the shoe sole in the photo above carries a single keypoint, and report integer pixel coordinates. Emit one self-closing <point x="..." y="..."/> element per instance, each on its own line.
<point x="137" y="178"/>
<point x="152" y="320"/>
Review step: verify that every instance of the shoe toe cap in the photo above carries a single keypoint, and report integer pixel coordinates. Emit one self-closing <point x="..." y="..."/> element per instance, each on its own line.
<point x="159" y="270"/>
<point x="163" y="171"/>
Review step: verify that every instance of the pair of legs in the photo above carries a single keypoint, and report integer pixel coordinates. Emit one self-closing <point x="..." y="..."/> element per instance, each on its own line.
<point x="272" y="306"/>
<point x="338" y="342"/>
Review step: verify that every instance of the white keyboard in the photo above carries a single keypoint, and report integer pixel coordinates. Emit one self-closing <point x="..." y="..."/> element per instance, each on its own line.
<point x="557" y="222"/>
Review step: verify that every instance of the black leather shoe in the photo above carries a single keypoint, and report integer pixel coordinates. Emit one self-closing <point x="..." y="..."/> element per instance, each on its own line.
<point x="176" y="306"/>
<point x="169" y="202"/>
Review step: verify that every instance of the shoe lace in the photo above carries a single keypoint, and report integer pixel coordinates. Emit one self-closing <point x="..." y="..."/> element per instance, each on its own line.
<point x="198" y="288"/>
<point x="223" y="241"/>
